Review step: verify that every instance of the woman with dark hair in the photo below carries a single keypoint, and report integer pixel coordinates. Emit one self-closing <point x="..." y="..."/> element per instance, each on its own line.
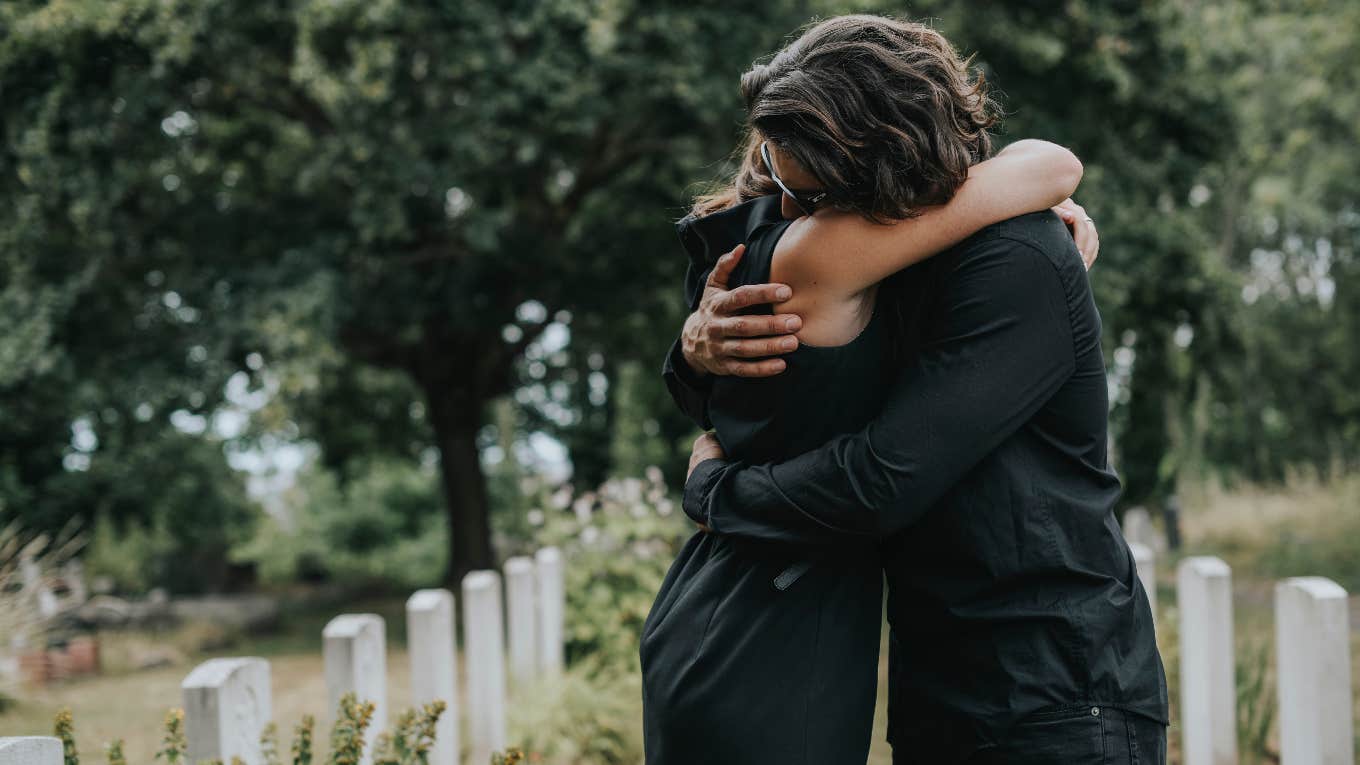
<point x="867" y="152"/>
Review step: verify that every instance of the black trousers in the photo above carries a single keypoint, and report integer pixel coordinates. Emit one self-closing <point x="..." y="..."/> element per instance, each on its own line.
<point x="1085" y="736"/>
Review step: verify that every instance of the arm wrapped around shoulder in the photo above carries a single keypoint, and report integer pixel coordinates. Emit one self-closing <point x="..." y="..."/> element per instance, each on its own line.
<point x="998" y="345"/>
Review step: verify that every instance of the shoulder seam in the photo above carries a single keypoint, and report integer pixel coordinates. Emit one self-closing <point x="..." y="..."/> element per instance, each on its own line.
<point x="1057" y="273"/>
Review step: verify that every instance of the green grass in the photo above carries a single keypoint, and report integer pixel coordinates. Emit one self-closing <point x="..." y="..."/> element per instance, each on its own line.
<point x="1304" y="529"/>
<point x="130" y="704"/>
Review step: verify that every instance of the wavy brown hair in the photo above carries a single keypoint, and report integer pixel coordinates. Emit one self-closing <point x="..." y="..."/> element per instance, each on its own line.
<point x="883" y="112"/>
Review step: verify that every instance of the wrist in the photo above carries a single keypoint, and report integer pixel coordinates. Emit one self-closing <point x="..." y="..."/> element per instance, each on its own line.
<point x="691" y="365"/>
<point x="697" y="488"/>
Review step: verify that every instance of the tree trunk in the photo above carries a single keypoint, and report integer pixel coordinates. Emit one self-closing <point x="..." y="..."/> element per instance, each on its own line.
<point x="1146" y="440"/>
<point x="456" y="419"/>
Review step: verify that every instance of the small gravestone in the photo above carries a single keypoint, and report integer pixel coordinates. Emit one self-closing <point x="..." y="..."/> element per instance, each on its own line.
<point x="1208" y="685"/>
<point x="551" y="609"/>
<point x="226" y="708"/>
<point x="484" y="646"/>
<point x="1138" y="529"/>
<point x="1312" y="642"/>
<point x="36" y="583"/>
<point x="73" y="574"/>
<point x="434" y="669"/>
<point x="521" y="620"/>
<point x="30" y="750"/>
<point x="355" y="652"/>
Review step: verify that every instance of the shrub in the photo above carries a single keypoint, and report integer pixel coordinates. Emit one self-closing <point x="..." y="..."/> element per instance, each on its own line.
<point x="382" y="525"/>
<point x="591" y="715"/>
<point x="621" y="540"/>
<point x="408" y="744"/>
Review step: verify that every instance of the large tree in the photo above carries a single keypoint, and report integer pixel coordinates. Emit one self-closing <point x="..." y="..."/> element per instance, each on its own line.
<point x="365" y="184"/>
<point x="1114" y="81"/>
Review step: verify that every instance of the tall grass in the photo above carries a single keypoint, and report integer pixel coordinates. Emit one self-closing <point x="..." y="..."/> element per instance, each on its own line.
<point x="1303" y="528"/>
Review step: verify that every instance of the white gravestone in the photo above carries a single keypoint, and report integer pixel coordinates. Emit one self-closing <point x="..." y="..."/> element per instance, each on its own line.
<point x="74" y="576"/>
<point x="551" y="609"/>
<point x="1145" y="561"/>
<point x="434" y="665"/>
<point x="484" y="652"/>
<point x="30" y="750"/>
<point x="36" y="583"/>
<point x="1312" y="642"/>
<point x="1138" y="529"/>
<point x="355" y="650"/>
<point x="521" y="620"/>
<point x="1208" y="685"/>
<point x="226" y="708"/>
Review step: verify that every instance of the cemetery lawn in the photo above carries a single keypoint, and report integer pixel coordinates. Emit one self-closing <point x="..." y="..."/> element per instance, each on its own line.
<point x="1264" y="536"/>
<point x="1304" y="529"/>
<point x="131" y="703"/>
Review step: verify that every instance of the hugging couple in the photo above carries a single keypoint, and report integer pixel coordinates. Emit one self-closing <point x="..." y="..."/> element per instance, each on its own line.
<point x="894" y="345"/>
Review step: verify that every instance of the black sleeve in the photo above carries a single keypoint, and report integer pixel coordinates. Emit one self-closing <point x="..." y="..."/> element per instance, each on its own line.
<point x="689" y="389"/>
<point x="999" y="345"/>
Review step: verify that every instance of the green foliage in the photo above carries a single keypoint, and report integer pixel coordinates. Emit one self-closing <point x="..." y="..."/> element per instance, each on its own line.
<point x="620" y="539"/>
<point x="1284" y="203"/>
<point x="325" y="185"/>
<point x="1255" y="703"/>
<point x="392" y="246"/>
<point x="269" y="745"/>
<point x="302" y="741"/>
<point x="511" y="756"/>
<point x="64" y="728"/>
<point x="174" y="745"/>
<point x="588" y="716"/>
<point x="381" y="525"/>
<point x="409" y="743"/>
<point x="1305" y="528"/>
<point x="347" y="736"/>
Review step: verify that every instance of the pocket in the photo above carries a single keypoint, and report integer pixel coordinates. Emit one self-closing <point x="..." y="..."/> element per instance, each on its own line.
<point x="1066" y="736"/>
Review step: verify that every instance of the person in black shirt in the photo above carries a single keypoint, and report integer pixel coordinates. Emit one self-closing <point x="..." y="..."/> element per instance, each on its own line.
<point x="1019" y="629"/>
<point x="1013" y="600"/>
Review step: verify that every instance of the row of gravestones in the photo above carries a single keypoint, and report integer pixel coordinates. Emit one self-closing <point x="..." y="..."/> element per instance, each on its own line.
<point x="1312" y="652"/>
<point x="1313" y="664"/>
<point x="227" y="700"/>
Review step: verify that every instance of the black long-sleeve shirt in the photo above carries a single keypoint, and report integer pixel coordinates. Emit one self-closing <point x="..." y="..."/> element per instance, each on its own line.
<point x="986" y="476"/>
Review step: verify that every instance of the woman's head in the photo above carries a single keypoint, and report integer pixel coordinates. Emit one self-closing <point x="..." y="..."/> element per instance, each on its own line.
<point x="882" y="113"/>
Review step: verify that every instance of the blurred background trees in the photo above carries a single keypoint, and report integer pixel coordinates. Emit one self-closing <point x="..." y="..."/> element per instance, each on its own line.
<point x="337" y="289"/>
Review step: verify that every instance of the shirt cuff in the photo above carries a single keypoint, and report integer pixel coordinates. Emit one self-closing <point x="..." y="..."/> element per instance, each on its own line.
<point x="698" y="487"/>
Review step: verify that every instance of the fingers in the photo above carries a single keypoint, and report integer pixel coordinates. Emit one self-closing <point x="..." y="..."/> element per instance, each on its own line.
<point x="722" y="270"/>
<point x="754" y="326"/>
<point x="752" y="294"/>
<point x="1090" y="247"/>
<point x="1068" y="211"/>
<point x="754" y="349"/>
<point x="765" y="368"/>
<point x="1084" y="233"/>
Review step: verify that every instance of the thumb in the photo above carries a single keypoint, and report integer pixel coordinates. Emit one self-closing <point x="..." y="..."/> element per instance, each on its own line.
<point x="722" y="271"/>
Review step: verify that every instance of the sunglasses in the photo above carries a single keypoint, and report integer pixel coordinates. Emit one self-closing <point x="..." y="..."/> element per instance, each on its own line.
<point x="805" y="199"/>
